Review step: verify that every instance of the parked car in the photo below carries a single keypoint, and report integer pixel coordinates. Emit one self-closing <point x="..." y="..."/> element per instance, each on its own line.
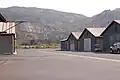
<point x="97" y="48"/>
<point x="115" y="48"/>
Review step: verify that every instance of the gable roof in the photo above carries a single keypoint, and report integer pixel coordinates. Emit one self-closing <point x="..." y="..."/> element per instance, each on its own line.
<point x="116" y="21"/>
<point x="96" y="31"/>
<point x="6" y="25"/>
<point x="2" y="19"/>
<point x="76" y="34"/>
<point x="64" y="39"/>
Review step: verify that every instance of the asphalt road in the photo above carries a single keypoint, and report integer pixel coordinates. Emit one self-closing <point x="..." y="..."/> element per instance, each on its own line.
<point x="48" y="64"/>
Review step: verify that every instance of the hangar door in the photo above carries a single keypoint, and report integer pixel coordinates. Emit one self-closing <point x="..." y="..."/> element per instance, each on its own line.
<point x="67" y="46"/>
<point x="72" y="45"/>
<point x="6" y="44"/>
<point x="87" y="44"/>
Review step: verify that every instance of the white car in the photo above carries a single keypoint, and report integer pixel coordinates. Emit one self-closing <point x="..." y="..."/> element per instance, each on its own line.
<point x="115" y="48"/>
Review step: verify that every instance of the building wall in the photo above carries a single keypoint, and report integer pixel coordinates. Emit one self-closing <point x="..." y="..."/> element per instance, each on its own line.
<point x="63" y="46"/>
<point x="111" y="35"/>
<point x="86" y="34"/>
<point x="7" y="44"/>
<point x="72" y="38"/>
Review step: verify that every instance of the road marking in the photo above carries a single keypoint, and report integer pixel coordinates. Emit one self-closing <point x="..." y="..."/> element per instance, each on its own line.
<point x="88" y="57"/>
<point x="2" y="62"/>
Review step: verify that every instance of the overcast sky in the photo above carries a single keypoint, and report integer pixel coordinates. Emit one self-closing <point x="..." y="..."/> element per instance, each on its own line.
<point x="85" y="7"/>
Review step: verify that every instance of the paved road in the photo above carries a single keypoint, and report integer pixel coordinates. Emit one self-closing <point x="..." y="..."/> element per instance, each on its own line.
<point x="48" y="64"/>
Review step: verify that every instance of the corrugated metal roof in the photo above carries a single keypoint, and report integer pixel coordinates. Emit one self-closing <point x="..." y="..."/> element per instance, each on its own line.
<point x="2" y="18"/>
<point x="7" y="25"/>
<point x="76" y="34"/>
<point x="96" y="31"/>
<point x="118" y="21"/>
<point x="64" y="39"/>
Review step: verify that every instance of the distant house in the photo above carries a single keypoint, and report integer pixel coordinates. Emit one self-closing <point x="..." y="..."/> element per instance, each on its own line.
<point x="71" y="43"/>
<point x="90" y="37"/>
<point x="111" y="34"/>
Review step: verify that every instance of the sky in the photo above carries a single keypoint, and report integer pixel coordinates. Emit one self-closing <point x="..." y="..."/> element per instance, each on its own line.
<point x="85" y="7"/>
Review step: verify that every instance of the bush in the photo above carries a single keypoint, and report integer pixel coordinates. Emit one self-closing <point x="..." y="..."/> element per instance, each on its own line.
<point x="18" y="46"/>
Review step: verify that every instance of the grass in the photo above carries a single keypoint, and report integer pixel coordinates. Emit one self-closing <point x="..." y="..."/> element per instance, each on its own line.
<point x="40" y="46"/>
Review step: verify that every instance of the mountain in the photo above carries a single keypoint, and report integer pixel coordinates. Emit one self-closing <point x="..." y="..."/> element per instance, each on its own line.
<point x="47" y="25"/>
<point x="104" y="18"/>
<point x="44" y="23"/>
